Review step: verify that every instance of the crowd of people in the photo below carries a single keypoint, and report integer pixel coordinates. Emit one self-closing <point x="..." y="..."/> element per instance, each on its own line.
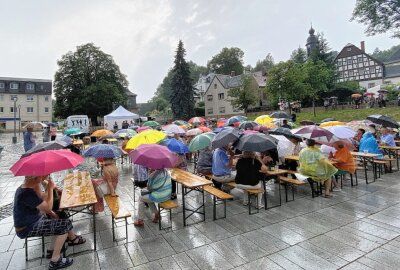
<point x="36" y="211"/>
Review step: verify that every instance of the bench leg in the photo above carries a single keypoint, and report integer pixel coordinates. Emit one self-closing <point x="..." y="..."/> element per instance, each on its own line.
<point x="26" y="249"/>
<point x="214" y="208"/>
<point x="286" y="195"/>
<point x="292" y="192"/>
<point x="126" y="229"/>
<point x="159" y="214"/>
<point x="112" y="224"/>
<point x="43" y="246"/>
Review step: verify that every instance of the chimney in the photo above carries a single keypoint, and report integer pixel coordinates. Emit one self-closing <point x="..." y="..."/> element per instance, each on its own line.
<point x="363" y="46"/>
<point x="232" y="73"/>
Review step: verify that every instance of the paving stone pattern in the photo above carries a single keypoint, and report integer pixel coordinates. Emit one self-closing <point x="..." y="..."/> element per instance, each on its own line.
<point x="359" y="228"/>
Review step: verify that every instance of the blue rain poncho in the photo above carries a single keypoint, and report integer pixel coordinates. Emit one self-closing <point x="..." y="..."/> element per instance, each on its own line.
<point x="368" y="143"/>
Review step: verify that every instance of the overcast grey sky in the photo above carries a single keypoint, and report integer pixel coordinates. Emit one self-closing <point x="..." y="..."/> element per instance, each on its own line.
<point x="142" y="35"/>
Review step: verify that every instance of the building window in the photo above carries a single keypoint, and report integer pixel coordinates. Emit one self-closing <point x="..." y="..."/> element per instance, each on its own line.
<point x="209" y="97"/>
<point x="29" y="109"/>
<point x="2" y="85"/>
<point x="370" y="85"/>
<point x="221" y="109"/>
<point x="30" y="86"/>
<point x="221" y="96"/>
<point x="14" y="86"/>
<point x="215" y="86"/>
<point x="13" y="97"/>
<point x="46" y="109"/>
<point x="46" y="98"/>
<point x="210" y="110"/>
<point x="1" y="109"/>
<point x="12" y="109"/>
<point x="29" y="98"/>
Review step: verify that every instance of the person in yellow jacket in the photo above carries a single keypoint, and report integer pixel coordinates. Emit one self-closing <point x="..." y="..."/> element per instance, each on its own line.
<point x="315" y="165"/>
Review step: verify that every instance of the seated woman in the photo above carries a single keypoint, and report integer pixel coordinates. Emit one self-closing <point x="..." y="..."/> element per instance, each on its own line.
<point x="30" y="209"/>
<point x="204" y="162"/>
<point x="345" y="161"/>
<point x="158" y="190"/>
<point x="107" y="185"/>
<point x="314" y="164"/>
<point x="368" y="144"/>
<point x="248" y="175"/>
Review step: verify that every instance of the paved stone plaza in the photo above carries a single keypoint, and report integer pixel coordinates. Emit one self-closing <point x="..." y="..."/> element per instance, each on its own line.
<point x="359" y="228"/>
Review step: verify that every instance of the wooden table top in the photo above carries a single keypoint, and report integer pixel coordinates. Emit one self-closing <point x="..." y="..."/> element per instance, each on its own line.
<point x="274" y="172"/>
<point x="77" y="191"/>
<point x="188" y="179"/>
<point x="293" y="157"/>
<point x="390" y="147"/>
<point x="367" y="155"/>
<point x="77" y="142"/>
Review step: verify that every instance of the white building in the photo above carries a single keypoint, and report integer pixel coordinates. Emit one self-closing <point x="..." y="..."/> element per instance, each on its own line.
<point x="217" y="102"/>
<point x="201" y="86"/>
<point x="29" y="98"/>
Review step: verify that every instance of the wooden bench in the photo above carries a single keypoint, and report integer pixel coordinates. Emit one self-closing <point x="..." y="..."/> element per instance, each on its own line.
<point x="167" y="205"/>
<point x="378" y="166"/>
<point x="218" y="196"/>
<point x="118" y="211"/>
<point x="286" y="181"/>
<point x="252" y="193"/>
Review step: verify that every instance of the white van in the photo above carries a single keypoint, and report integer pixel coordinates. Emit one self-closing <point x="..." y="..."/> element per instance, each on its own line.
<point x="79" y="121"/>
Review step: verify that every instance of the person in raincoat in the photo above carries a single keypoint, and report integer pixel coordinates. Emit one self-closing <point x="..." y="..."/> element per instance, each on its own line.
<point x="315" y="165"/>
<point x="368" y="144"/>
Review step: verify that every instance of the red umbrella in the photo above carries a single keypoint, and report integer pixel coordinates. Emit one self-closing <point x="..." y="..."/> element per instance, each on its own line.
<point x="204" y="129"/>
<point x="46" y="162"/>
<point x="143" y="129"/>
<point x="315" y="133"/>
<point x="196" y="120"/>
<point x="153" y="156"/>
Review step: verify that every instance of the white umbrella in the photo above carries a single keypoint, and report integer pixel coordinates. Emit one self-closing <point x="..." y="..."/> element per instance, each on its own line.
<point x="342" y="132"/>
<point x="285" y="147"/>
<point x="35" y="125"/>
<point x="194" y="132"/>
<point x="174" y="129"/>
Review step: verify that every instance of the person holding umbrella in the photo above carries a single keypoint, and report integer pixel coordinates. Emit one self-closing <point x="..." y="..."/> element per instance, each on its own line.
<point x="222" y="164"/>
<point x="29" y="138"/>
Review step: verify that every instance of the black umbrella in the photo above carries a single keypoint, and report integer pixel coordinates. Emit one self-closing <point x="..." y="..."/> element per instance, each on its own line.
<point x="328" y="120"/>
<point x="54" y="145"/>
<point x="248" y="125"/>
<point x="256" y="142"/>
<point x="225" y="137"/>
<point x="285" y="132"/>
<point x="383" y="120"/>
<point x="280" y="115"/>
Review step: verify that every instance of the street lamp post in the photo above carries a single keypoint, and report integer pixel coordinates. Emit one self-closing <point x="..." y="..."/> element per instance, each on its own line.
<point x="14" y="138"/>
<point x="19" y="117"/>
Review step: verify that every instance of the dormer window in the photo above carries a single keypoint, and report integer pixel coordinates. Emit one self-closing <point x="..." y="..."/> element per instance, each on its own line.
<point x="30" y="86"/>
<point x="14" y="86"/>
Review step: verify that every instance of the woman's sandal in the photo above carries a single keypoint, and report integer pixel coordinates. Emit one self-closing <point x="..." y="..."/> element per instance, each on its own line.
<point x="139" y="223"/>
<point x="78" y="240"/>
<point x="61" y="263"/>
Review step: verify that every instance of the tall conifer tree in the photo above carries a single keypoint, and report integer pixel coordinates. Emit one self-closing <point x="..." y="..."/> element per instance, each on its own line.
<point x="182" y="94"/>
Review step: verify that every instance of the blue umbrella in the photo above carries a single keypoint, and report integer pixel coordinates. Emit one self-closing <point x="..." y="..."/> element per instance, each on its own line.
<point x="241" y="117"/>
<point x="72" y="131"/>
<point x="231" y="121"/>
<point x="176" y="146"/>
<point x="103" y="151"/>
<point x="65" y="139"/>
<point x="218" y="130"/>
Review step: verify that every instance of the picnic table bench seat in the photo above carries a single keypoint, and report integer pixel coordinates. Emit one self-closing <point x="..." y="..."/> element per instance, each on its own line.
<point x="167" y="206"/>
<point x="118" y="211"/>
<point x="253" y="192"/>
<point x="218" y="196"/>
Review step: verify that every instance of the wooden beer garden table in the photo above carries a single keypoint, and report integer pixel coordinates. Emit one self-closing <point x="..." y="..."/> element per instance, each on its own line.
<point x="392" y="151"/>
<point x="78" y="196"/>
<point x="272" y="172"/>
<point x="366" y="157"/>
<point x="190" y="182"/>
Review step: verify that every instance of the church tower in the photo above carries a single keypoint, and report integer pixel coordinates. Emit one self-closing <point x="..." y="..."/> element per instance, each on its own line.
<point x="312" y="42"/>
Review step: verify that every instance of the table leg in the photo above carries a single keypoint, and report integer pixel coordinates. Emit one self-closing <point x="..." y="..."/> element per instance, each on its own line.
<point x="265" y="194"/>
<point x="94" y="227"/>
<point x="365" y="169"/>
<point x="183" y="205"/>
<point x="204" y="206"/>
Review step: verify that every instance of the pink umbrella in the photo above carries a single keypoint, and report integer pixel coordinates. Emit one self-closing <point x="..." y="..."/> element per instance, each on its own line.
<point x="153" y="156"/>
<point x="196" y="120"/>
<point x="249" y="131"/>
<point x="46" y="162"/>
<point x="315" y="133"/>
<point x="143" y="128"/>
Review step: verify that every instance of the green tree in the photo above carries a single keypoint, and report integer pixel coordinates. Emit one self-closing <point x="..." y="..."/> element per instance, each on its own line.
<point x="380" y="16"/>
<point x="264" y="65"/>
<point x="228" y="60"/>
<point x="385" y="55"/>
<point x="244" y="96"/>
<point x="299" y="56"/>
<point x="286" y="80"/>
<point x="319" y="78"/>
<point x="182" y="94"/>
<point x="88" y="82"/>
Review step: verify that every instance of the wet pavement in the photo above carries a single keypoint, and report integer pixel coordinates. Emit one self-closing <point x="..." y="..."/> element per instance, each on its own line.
<point x="359" y="228"/>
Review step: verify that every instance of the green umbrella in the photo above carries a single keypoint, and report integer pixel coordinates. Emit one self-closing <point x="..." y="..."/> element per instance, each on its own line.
<point x="151" y="124"/>
<point x="201" y="141"/>
<point x="72" y="131"/>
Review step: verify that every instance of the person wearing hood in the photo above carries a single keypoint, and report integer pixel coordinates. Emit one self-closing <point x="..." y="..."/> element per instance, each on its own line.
<point x="368" y="144"/>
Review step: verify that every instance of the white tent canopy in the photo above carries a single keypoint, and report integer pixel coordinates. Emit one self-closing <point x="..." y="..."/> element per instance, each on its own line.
<point x="118" y="116"/>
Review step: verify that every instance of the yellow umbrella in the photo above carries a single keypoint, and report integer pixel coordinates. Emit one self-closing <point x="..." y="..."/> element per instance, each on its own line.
<point x="270" y="125"/>
<point x="263" y="119"/>
<point x="101" y="133"/>
<point x="331" y="124"/>
<point x="145" y="137"/>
